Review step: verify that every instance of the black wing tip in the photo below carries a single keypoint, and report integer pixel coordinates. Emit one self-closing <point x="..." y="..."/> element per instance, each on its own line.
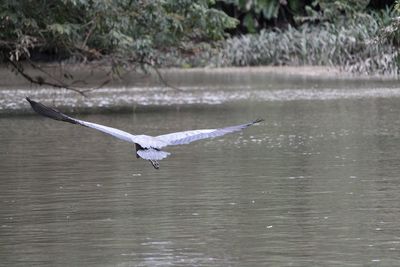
<point x="49" y="112"/>
<point x="29" y="100"/>
<point x="33" y="104"/>
<point x="258" y="120"/>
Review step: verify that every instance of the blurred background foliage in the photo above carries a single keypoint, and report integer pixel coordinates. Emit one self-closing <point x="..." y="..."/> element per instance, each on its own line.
<point x="255" y="15"/>
<point x="360" y="35"/>
<point x="87" y="30"/>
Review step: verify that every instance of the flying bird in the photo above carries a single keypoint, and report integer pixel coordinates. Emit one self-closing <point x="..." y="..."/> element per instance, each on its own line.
<point x="147" y="147"/>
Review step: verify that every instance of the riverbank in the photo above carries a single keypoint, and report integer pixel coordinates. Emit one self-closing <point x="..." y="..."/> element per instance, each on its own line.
<point x="199" y="86"/>
<point x="93" y="75"/>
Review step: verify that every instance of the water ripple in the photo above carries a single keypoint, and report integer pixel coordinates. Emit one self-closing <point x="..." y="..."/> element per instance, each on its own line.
<point x="131" y="97"/>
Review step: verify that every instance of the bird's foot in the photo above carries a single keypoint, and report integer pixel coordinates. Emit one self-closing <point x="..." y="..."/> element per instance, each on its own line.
<point x="155" y="164"/>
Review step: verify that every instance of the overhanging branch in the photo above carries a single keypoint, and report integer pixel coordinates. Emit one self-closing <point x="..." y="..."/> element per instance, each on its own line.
<point x="40" y="80"/>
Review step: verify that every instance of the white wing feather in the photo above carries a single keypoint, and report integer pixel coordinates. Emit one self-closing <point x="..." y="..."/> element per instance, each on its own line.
<point x="187" y="137"/>
<point x="108" y="130"/>
<point x="144" y="141"/>
<point x="171" y="137"/>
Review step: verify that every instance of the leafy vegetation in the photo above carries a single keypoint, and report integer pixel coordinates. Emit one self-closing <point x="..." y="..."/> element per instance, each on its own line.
<point x="328" y="33"/>
<point x="122" y="32"/>
<point x="256" y="15"/>
<point x="392" y="31"/>
<point x="90" y="29"/>
<point x="348" y="43"/>
<point x="137" y="34"/>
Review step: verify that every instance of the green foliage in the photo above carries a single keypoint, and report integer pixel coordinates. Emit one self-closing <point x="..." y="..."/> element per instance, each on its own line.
<point x="341" y="6"/>
<point x="390" y="33"/>
<point x="187" y="32"/>
<point x="332" y="11"/>
<point x="255" y="10"/>
<point x="348" y="44"/>
<point x="124" y="30"/>
<point x="255" y="15"/>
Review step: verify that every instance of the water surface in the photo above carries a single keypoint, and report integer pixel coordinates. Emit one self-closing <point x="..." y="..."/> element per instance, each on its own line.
<point x="316" y="184"/>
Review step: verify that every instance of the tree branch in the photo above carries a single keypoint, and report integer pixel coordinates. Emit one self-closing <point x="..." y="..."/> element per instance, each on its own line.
<point x="160" y="76"/>
<point x="40" y="80"/>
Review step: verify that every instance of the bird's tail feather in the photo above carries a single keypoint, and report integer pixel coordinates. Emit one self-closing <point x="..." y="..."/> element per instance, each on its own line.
<point x="152" y="154"/>
<point x="50" y="112"/>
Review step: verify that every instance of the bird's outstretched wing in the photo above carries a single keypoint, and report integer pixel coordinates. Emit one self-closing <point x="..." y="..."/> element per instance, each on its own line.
<point x="57" y="115"/>
<point x="187" y="137"/>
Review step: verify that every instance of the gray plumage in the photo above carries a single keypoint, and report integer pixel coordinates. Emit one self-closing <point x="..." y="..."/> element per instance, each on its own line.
<point x="147" y="147"/>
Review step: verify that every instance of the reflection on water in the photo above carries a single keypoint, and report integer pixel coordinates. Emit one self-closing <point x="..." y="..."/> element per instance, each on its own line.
<point x="199" y="88"/>
<point x="316" y="184"/>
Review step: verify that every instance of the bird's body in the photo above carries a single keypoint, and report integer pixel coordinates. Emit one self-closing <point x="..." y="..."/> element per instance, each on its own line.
<point x="147" y="147"/>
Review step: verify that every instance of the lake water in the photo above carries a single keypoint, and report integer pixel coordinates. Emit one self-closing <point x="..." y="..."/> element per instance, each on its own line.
<point x="316" y="184"/>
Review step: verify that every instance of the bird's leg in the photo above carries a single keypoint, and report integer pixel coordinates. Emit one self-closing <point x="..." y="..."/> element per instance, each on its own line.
<point x="155" y="164"/>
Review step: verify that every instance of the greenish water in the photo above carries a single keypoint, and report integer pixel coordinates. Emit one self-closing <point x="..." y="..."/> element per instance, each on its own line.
<point x="316" y="184"/>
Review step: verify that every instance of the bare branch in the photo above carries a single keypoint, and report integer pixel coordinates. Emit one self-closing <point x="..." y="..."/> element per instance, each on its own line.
<point x="160" y="76"/>
<point x="40" y="80"/>
<point x="92" y="27"/>
<point x="98" y="87"/>
<point x="162" y="79"/>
